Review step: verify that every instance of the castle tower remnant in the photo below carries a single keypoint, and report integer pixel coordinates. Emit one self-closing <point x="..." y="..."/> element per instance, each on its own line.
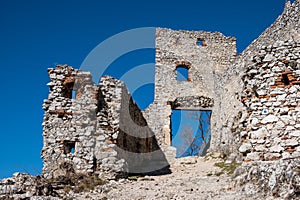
<point x="204" y="56"/>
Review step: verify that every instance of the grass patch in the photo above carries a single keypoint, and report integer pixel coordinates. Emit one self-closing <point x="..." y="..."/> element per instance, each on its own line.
<point x="227" y="168"/>
<point x="78" y="182"/>
<point x="87" y="183"/>
<point x="134" y="177"/>
<point x="219" y="173"/>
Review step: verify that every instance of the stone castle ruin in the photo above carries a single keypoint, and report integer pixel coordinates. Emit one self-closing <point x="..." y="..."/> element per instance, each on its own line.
<point x="254" y="98"/>
<point x="100" y="129"/>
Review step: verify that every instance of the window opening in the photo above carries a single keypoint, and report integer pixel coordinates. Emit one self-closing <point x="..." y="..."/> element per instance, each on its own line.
<point x="69" y="147"/>
<point x="201" y="42"/>
<point x="285" y="79"/>
<point x="182" y="73"/>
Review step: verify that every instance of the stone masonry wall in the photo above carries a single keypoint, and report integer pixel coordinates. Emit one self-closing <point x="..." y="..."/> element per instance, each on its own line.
<point x="133" y="140"/>
<point x="206" y="55"/>
<point x="232" y="111"/>
<point x="254" y="98"/>
<point x="85" y="133"/>
<point x="272" y="97"/>
<point x="68" y="124"/>
<point x="261" y="97"/>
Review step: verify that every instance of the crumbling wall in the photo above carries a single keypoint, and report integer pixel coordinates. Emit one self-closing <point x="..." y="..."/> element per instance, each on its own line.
<point x="69" y="124"/>
<point x="206" y="56"/>
<point x="232" y="112"/>
<point x="132" y="140"/>
<point x="264" y="125"/>
<point x="271" y="96"/>
<point x="87" y="132"/>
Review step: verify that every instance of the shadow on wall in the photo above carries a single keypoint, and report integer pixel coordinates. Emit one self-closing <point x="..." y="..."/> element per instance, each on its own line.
<point x="137" y="143"/>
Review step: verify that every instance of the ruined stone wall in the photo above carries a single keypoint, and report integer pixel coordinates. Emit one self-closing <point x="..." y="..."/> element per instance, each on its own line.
<point x="206" y="55"/>
<point x="261" y="99"/>
<point x="133" y="141"/>
<point x="272" y="97"/>
<point x="232" y="111"/>
<point x="69" y="124"/>
<point x="91" y="132"/>
<point x="254" y="98"/>
<point x="109" y="164"/>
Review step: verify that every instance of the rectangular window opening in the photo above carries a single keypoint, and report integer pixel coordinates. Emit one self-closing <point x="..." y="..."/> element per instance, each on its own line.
<point x="285" y="79"/>
<point x="67" y="89"/>
<point x="201" y="42"/>
<point x="69" y="147"/>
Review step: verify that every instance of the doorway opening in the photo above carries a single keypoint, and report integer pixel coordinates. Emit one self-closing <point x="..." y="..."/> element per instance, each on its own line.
<point x="190" y="132"/>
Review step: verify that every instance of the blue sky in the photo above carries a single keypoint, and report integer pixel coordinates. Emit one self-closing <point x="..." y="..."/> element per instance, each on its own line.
<point x="36" y="35"/>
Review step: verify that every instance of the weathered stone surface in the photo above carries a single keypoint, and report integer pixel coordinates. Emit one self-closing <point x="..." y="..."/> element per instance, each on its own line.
<point x="269" y="119"/>
<point x="99" y="130"/>
<point x="276" y="149"/>
<point x="259" y="134"/>
<point x="291" y="142"/>
<point x="245" y="148"/>
<point x="253" y="156"/>
<point x="206" y="65"/>
<point x="274" y="178"/>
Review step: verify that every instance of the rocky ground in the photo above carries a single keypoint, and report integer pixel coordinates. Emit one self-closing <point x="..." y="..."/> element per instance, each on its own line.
<point x="191" y="178"/>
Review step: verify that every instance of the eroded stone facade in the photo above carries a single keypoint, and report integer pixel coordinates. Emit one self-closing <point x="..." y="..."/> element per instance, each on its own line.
<point x="100" y="130"/>
<point x="272" y="95"/>
<point x="206" y="56"/>
<point x="252" y="96"/>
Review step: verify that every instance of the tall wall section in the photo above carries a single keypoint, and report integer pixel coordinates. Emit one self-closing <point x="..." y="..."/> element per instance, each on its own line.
<point x="206" y="56"/>
<point x="271" y="95"/>
<point x="232" y="111"/>
<point x="270" y="129"/>
<point x="260" y="109"/>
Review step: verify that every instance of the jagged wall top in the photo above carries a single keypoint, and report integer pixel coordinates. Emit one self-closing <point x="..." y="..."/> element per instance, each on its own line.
<point x="286" y="26"/>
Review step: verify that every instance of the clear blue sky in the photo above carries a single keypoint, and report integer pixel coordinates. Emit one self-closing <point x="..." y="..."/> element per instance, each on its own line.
<point x="36" y="35"/>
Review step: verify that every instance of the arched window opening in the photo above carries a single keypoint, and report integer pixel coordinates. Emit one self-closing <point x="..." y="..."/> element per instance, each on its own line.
<point x="182" y="73"/>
